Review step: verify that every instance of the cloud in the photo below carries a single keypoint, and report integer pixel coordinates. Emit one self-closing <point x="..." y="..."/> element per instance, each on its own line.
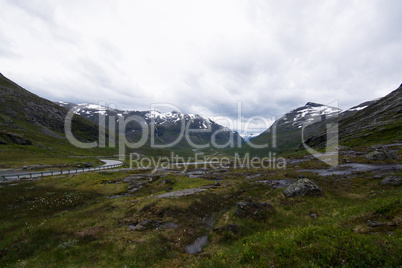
<point x="204" y="56"/>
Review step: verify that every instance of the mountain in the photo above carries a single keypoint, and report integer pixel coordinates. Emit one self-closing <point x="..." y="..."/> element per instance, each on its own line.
<point x="32" y="128"/>
<point x="19" y="106"/>
<point x="165" y="128"/>
<point x="249" y="136"/>
<point x="286" y="132"/>
<point x="375" y="122"/>
<point x="352" y="111"/>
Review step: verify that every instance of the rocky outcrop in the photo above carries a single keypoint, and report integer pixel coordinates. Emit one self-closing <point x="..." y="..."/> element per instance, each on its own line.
<point x="392" y="180"/>
<point x="14" y="139"/>
<point x="381" y="154"/>
<point x="224" y="228"/>
<point x="254" y="210"/>
<point x="303" y="187"/>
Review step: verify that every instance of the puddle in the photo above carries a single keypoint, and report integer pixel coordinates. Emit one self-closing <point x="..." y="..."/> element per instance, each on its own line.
<point x="118" y="196"/>
<point x="209" y="221"/>
<point x="347" y="169"/>
<point x="201" y="241"/>
<point x="197" y="245"/>
<point x="196" y="173"/>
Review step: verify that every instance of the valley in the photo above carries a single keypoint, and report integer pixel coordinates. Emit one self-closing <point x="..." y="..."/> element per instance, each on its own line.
<point x="228" y="206"/>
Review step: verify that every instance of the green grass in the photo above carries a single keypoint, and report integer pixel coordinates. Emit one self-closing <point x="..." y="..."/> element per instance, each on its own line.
<point x="70" y="221"/>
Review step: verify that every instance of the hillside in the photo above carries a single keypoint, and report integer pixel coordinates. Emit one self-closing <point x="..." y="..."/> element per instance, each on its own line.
<point x="32" y="129"/>
<point x="301" y="213"/>
<point x="377" y="122"/>
<point x="163" y="128"/>
<point x="371" y="122"/>
<point x="286" y="132"/>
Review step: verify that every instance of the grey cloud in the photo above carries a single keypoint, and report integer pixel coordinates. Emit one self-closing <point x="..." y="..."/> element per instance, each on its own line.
<point x="273" y="56"/>
<point x="36" y="8"/>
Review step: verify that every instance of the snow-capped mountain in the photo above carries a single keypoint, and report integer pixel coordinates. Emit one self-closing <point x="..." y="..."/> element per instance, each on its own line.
<point x="370" y="122"/>
<point x="285" y="133"/>
<point x="307" y="114"/>
<point x="167" y="126"/>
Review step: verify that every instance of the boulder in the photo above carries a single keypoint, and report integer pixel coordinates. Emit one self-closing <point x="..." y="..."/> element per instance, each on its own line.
<point x="144" y="225"/>
<point x="89" y="164"/>
<point x="303" y="187"/>
<point x="253" y="210"/>
<point x="224" y="228"/>
<point x="381" y="154"/>
<point x="392" y="180"/>
<point x="16" y="139"/>
<point x="151" y="224"/>
<point x="164" y="181"/>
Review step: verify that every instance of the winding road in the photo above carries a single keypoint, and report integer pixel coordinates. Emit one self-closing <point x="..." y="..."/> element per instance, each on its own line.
<point x="17" y="175"/>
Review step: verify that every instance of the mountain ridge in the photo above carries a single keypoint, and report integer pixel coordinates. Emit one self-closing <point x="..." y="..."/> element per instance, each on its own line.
<point x="371" y="122"/>
<point x="167" y="127"/>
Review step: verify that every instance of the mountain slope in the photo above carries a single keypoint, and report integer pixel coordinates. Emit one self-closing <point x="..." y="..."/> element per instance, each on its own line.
<point x="164" y="128"/>
<point x="32" y="128"/>
<point x="379" y="122"/>
<point x="286" y="132"/>
<point x="19" y="105"/>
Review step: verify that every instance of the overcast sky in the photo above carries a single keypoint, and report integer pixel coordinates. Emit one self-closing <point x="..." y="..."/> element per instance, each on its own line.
<point x="204" y="56"/>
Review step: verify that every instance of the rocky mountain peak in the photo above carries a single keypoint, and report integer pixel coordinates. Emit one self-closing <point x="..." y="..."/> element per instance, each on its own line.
<point x="313" y="104"/>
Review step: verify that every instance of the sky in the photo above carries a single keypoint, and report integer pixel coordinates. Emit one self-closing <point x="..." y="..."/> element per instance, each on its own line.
<point x="205" y="57"/>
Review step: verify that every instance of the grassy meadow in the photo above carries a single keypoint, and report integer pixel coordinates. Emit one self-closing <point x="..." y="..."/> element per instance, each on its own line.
<point x="72" y="221"/>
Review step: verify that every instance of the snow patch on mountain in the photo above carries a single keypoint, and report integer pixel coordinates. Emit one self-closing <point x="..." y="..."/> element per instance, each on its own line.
<point x="357" y="108"/>
<point x="249" y="136"/>
<point x="311" y="112"/>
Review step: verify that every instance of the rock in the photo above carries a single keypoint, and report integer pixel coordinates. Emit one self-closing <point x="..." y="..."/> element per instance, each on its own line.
<point x="154" y="178"/>
<point x="144" y="225"/>
<point x="150" y="224"/>
<point x="303" y="187"/>
<point x="89" y="164"/>
<point x="180" y="193"/>
<point x="313" y="215"/>
<point x="254" y="210"/>
<point x="381" y="154"/>
<point x="378" y="176"/>
<point x="16" y="139"/>
<point x="277" y="184"/>
<point x="164" y="181"/>
<point x="346" y="160"/>
<point x="230" y="227"/>
<point x="168" y="225"/>
<point x="392" y="180"/>
<point x="217" y="184"/>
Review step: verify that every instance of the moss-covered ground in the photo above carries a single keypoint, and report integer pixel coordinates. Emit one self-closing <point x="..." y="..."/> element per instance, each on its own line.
<point x="71" y="221"/>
